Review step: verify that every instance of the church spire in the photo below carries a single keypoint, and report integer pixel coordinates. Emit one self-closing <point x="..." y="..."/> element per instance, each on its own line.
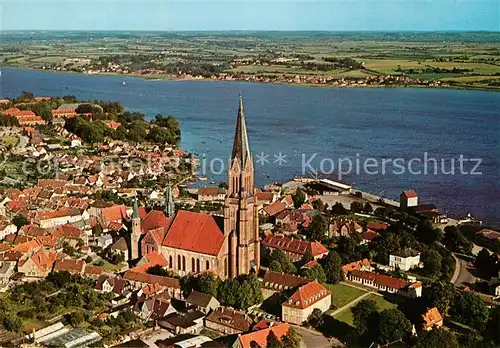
<point x="135" y="213"/>
<point x="241" y="150"/>
<point x="169" y="201"/>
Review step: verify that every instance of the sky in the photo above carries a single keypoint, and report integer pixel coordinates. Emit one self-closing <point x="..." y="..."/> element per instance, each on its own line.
<point x="368" y="15"/>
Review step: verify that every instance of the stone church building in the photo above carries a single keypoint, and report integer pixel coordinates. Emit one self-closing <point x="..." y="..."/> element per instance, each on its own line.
<point x="197" y="242"/>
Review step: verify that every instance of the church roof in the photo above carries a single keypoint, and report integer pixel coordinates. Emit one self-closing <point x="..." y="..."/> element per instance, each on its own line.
<point x="194" y="232"/>
<point x="155" y="219"/>
<point x="241" y="149"/>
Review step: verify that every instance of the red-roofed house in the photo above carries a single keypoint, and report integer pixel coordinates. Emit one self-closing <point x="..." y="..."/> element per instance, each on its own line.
<point x="70" y="265"/>
<point x="38" y="264"/>
<point x="295" y="248"/>
<point x="304" y="300"/>
<point x="408" y="198"/>
<point x="386" y="283"/>
<point x="273" y="209"/>
<point x="260" y="336"/>
<point x="361" y="265"/>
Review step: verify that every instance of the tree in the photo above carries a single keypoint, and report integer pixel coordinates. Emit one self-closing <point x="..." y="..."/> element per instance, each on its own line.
<point x="317" y="273"/>
<point x="432" y="263"/>
<point x="427" y="234"/>
<point x="338" y="209"/>
<point x="317" y="228"/>
<point x="437" y="337"/>
<point x="75" y="318"/>
<point x="275" y="266"/>
<point x="250" y="292"/>
<point x="280" y="257"/>
<point x="12" y="322"/>
<point x="299" y="197"/>
<point x="439" y="294"/>
<point x="20" y="220"/>
<point x="228" y="292"/>
<point x="333" y="268"/>
<point x="315" y="317"/>
<point x="292" y="339"/>
<point x="363" y="313"/>
<point x="356" y="207"/>
<point x="393" y="326"/>
<point x="273" y="341"/>
<point x="456" y="241"/>
<point x="469" y="309"/>
<point x="368" y="208"/>
<point x="492" y="331"/>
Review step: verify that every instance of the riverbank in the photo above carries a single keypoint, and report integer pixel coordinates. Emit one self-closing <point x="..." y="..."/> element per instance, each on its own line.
<point x="258" y="80"/>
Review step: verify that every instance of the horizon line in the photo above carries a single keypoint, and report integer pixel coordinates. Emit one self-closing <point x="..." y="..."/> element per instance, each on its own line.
<point x="252" y="30"/>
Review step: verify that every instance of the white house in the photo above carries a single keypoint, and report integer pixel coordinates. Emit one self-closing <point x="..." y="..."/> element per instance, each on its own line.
<point x="304" y="301"/>
<point x="405" y="259"/>
<point x="408" y="198"/>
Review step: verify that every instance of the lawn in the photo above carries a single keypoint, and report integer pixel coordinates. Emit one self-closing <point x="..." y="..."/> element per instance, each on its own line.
<point x="9" y="140"/>
<point x="109" y="267"/>
<point x="343" y="294"/>
<point x="382" y="304"/>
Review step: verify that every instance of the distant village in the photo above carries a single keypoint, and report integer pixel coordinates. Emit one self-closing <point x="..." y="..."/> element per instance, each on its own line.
<point x="108" y="252"/>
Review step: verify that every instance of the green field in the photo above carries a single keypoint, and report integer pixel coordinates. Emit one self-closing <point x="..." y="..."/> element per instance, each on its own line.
<point x="346" y="315"/>
<point x="343" y="294"/>
<point x="9" y="140"/>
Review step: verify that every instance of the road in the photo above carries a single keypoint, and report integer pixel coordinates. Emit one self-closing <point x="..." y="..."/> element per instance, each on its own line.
<point x="462" y="276"/>
<point x="314" y="339"/>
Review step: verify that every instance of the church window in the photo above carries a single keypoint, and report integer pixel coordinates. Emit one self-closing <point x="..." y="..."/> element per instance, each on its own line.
<point x="192" y="265"/>
<point x="170" y="261"/>
<point x="208" y="265"/>
<point x="179" y="262"/>
<point x="197" y="265"/>
<point x="184" y="263"/>
<point x="225" y="267"/>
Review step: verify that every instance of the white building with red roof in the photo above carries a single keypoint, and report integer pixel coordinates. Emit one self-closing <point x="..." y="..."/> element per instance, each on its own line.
<point x="298" y="307"/>
<point x="408" y="198"/>
<point x="295" y="248"/>
<point x="386" y="283"/>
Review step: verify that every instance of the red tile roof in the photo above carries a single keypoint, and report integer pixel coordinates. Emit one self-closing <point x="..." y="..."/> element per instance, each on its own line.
<point x="194" y="232"/>
<point x="356" y="265"/>
<point x="431" y="317"/>
<point x="370" y="235"/>
<point x="260" y="336"/>
<point x="375" y="226"/>
<point x="46" y="215"/>
<point x="153" y="220"/>
<point x="295" y="246"/>
<point x="307" y="295"/>
<point x="274" y="208"/>
<point x="115" y="213"/>
<point x="93" y="270"/>
<point x="381" y="279"/>
<point x="69" y="265"/>
<point x="151" y="279"/>
<point x="68" y="231"/>
<point x="410" y="194"/>
<point x="209" y="191"/>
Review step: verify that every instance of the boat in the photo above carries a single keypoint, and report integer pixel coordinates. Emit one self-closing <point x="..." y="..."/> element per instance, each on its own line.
<point x="202" y="178"/>
<point x="124" y="83"/>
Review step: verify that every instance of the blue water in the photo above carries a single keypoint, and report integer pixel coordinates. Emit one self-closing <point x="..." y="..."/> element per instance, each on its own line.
<point x="383" y="123"/>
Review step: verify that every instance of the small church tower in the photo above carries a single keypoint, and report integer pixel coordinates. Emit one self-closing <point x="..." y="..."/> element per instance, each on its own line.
<point x="169" y="202"/>
<point x="136" y="233"/>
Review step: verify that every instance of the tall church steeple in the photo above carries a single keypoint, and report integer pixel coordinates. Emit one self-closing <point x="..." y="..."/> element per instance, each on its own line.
<point x="169" y="201"/>
<point x="240" y="211"/>
<point x="135" y="234"/>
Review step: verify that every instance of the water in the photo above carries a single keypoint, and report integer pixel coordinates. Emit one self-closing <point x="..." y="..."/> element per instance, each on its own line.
<point x="383" y="123"/>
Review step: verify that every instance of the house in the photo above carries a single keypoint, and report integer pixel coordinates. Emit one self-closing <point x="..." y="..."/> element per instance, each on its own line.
<point x="70" y="265"/>
<point x="106" y="283"/>
<point x="207" y="193"/>
<point x="376" y="226"/>
<point x="273" y="209"/>
<point x="343" y="227"/>
<point x="190" y="322"/>
<point x="228" y="321"/>
<point x="432" y="318"/>
<point x="202" y="302"/>
<point x="369" y="236"/>
<point x="298" y="307"/>
<point x="38" y="265"/>
<point x="275" y="282"/>
<point x="139" y="279"/>
<point x="361" y="265"/>
<point x="50" y="219"/>
<point x="386" y="283"/>
<point x="295" y="248"/>
<point x="154" y="308"/>
<point x="405" y="259"/>
<point x="408" y="198"/>
<point x="6" y="271"/>
<point x="494" y="285"/>
<point x="7" y="228"/>
<point x="93" y="271"/>
<point x="264" y="197"/>
<point x="260" y="336"/>
<point x="120" y="247"/>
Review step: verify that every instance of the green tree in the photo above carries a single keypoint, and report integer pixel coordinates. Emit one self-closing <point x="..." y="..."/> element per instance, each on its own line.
<point x="292" y="339"/>
<point x="275" y="266"/>
<point x="318" y="228"/>
<point x="250" y="292"/>
<point x="75" y="318"/>
<point x="317" y="273"/>
<point x="356" y="207"/>
<point x="432" y="263"/>
<point x="273" y="341"/>
<point x="228" y="292"/>
<point x="333" y="268"/>
<point x="299" y="197"/>
<point x="368" y="208"/>
<point x="20" y="220"/>
<point x="315" y="317"/>
<point x="279" y="256"/>
<point x="338" y="209"/>
<point x="12" y="322"/>
<point x="469" y="309"/>
<point x="363" y="313"/>
<point x="437" y="337"/>
<point x="492" y="331"/>
<point x="439" y="294"/>
<point x="393" y="326"/>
